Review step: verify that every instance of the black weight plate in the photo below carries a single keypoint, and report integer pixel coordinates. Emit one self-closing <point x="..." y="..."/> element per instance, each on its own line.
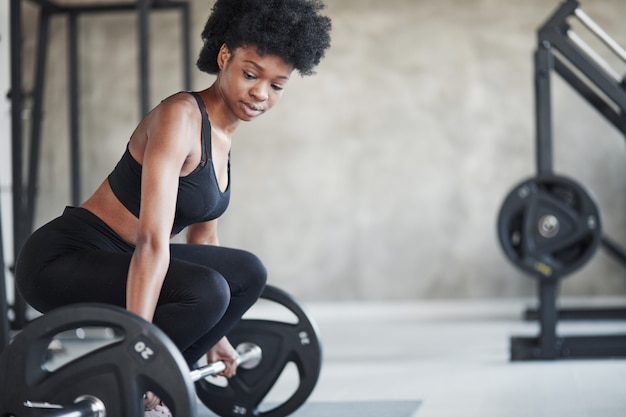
<point x="281" y="343"/>
<point x="549" y="226"/>
<point x="140" y="358"/>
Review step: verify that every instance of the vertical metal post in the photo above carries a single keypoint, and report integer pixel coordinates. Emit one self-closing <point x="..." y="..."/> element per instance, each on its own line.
<point x="544" y="63"/>
<point x="144" y="80"/>
<point x="74" y="113"/>
<point x="186" y="47"/>
<point x="36" y="120"/>
<point x="4" y="308"/>
<point x="19" y="234"/>
<point x="548" y="317"/>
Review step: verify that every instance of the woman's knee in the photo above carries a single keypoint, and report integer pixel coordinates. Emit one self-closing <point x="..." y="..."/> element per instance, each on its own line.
<point x="202" y="290"/>
<point x="255" y="273"/>
<point x="212" y="292"/>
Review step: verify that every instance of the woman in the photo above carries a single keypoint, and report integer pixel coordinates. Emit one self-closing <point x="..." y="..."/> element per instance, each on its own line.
<point x="175" y="174"/>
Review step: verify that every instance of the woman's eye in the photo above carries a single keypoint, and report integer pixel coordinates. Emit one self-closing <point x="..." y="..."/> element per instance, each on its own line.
<point x="277" y="87"/>
<point x="248" y="76"/>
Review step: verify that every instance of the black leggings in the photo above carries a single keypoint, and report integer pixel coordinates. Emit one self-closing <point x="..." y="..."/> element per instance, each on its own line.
<point x="77" y="258"/>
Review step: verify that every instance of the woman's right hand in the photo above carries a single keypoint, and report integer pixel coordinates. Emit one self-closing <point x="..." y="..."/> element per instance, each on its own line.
<point x="224" y="351"/>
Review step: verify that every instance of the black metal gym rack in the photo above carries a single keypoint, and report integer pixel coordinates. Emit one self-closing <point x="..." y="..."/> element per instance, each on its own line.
<point x="4" y="319"/>
<point x="25" y="189"/>
<point x="561" y="50"/>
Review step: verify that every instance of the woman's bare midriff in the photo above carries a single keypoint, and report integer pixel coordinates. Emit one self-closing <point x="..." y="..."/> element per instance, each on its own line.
<point x="104" y="204"/>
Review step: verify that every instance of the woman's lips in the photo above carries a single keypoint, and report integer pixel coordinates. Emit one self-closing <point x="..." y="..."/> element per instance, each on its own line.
<point x="252" y="110"/>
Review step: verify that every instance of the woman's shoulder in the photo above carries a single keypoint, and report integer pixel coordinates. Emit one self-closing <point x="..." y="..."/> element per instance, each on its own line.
<point x="183" y="101"/>
<point x="172" y="123"/>
<point x="179" y="108"/>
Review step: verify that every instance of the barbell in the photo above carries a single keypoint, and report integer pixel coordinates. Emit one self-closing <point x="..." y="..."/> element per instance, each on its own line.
<point x="110" y="380"/>
<point x="250" y="356"/>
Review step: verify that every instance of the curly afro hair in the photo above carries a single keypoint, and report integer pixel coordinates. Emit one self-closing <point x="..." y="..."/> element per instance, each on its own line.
<point x="291" y="29"/>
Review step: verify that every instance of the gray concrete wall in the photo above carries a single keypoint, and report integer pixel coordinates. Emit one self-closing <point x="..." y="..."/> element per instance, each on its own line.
<point x="380" y="177"/>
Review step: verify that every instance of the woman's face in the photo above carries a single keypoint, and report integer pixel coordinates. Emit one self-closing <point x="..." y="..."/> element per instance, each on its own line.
<point x="251" y="84"/>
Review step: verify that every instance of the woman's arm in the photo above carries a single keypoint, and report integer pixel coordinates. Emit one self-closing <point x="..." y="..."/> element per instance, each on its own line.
<point x="171" y="132"/>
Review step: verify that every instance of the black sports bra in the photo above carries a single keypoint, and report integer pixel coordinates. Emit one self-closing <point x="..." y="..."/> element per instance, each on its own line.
<point x="199" y="196"/>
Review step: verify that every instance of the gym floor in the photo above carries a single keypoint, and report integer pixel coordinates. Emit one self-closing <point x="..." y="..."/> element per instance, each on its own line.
<point x="454" y="358"/>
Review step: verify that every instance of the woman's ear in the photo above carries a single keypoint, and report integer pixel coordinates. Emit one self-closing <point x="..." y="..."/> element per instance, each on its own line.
<point x="223" y="56"/>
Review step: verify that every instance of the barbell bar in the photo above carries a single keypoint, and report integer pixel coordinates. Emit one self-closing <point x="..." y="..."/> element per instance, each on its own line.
<point x="600" y="33"/>
<point x="250" y="355"/>
<point x="84" y="406"/>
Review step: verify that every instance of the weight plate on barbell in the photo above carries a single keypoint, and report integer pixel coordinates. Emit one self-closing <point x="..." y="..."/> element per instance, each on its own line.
<point x="282" y="343"/>
<point x="139" y="358"/>
<point x="549" y="226"/>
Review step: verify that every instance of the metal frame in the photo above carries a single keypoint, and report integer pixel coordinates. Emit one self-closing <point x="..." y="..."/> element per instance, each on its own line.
<point x="560" y="50"/>
<point x="4" y="318"/>
<point x="25" y="189"/>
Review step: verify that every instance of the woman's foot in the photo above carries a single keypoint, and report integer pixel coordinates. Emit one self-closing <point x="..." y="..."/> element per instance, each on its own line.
<point x="160" y="410"/>
<point x="154" y="407"/>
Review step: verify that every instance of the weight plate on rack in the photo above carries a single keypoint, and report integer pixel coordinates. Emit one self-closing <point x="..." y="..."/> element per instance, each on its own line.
<point x="282" y="343"/>
<point x="138" y="358"/>
<point x="549" y="226"/>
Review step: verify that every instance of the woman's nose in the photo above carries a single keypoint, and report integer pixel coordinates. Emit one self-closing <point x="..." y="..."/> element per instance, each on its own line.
<point x="259" y="92"/>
